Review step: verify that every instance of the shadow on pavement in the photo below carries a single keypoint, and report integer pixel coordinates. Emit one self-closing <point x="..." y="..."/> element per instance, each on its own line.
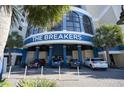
<point x="102" y="74"/>
<point x="84" y="72"/>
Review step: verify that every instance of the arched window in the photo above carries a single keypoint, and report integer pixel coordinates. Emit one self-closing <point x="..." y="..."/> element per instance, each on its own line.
<point x="58" y="27"/>
<point x="87" y="25"/>
<point x="73" y="22"/>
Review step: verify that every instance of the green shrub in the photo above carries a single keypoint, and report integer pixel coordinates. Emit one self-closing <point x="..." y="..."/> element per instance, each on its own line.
<point x="36" y="83"/>
<point x="4" y="83"/>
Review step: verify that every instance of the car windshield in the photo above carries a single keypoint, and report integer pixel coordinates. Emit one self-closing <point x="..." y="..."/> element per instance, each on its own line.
<point x="97" y="59"/>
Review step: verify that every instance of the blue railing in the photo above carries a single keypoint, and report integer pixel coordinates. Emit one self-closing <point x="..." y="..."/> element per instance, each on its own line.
<point x="13" y="50"/>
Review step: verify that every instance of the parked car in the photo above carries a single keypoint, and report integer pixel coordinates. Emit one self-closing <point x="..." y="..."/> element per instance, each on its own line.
<point x="74" y="63"/>
<point x="34" y="64"/>
<point x="37" y="63"/>
<point x="96" y="63"/>
<point x="56" y="63"/>
<point x="42" y="62"/>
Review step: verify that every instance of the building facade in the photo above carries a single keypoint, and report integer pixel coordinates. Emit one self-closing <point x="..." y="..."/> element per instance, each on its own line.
<point x="71" y="38"/>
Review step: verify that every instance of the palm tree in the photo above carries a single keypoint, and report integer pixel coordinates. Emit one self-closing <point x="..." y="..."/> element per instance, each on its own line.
<point x="39" y="16"/>
<point x="45" y="15"/>
<point x="108" y="36"/>
<point x="14" y="41"/>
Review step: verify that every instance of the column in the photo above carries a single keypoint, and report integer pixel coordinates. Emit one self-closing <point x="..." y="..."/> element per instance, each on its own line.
<point x="13" y="60"/>
<point x="37" y="52"/>
<point x="50" y="55"/>
<point x="92" y="26"/>
<point x="24" y="55"/>
<point x="81" y="24"/>
<point x="79" y="54"/>
<point x="64" y="54"/>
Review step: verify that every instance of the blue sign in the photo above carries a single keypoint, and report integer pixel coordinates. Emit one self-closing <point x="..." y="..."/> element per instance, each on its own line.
<point x="58" y="36"/>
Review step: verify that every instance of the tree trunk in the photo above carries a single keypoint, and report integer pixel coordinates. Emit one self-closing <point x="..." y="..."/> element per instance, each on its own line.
<point x="5" y="21"/>
<point x="107" y="55"/>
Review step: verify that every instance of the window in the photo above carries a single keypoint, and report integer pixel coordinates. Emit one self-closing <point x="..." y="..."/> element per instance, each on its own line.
<point x="73" y="22"/>
<point x="20" y="28"/>
<point x="87" y="25"/>
<point x="58" y="27"/>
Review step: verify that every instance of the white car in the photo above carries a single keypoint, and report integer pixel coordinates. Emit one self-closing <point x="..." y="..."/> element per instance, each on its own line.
<point x="96" y="63"/>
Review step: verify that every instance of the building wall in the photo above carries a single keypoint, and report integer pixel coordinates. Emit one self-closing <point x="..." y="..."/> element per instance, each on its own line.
<point x="43" y="55"/>
<point x="21" y="24"/>
<point x="85" y="54"/>
<point x="88" y="53"/>
<point x="119" y="60"/>
<point x="75" y="54"/>
<point x="30" y="56"/>
<point x="69" y="58"/>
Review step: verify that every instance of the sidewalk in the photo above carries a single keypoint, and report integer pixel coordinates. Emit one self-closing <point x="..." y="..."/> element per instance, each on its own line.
<point x="69" y="77"/>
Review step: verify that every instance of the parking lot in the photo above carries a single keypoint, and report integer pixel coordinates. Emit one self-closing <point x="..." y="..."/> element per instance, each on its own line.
<point x="70" y="78"/>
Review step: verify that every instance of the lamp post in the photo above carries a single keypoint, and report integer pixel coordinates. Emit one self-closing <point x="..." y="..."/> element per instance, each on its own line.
<point x="121" y="20"/>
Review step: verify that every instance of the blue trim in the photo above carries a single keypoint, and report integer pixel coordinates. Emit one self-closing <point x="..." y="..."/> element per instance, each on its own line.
<point x="42" y="37"/>
<point x="81" y="24"/>
<point x="64" y="55"/>
<point x="92" y="25"/>
<point x="24" y="55"/>
<point x="37" y="53"/>
<point x="13" y="50"/>
<point x="80" y="54"/>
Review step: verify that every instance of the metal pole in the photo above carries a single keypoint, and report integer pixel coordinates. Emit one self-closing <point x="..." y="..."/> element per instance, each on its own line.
<point x="25" y="72"/>
<point x="59" y="72"/>
<point x="10" y="69"/>
<point x="41" y="71"/>
<point x="78" y="72"/>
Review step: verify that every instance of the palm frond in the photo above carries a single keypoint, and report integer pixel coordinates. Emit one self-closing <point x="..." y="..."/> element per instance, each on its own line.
<point x="14" y="40"/>
<point x="45" y="15"/>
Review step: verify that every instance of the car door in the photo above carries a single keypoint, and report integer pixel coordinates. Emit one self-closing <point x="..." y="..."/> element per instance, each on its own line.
<point x="87" y="62"/>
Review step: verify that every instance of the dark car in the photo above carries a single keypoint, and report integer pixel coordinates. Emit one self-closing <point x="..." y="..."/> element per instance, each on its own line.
<point x="34" y="63"/>
<point x="37" y="63"/>
<point x="56" y="63"/>
<point x="74" y="63"/>
<point x="42" y="62"/>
